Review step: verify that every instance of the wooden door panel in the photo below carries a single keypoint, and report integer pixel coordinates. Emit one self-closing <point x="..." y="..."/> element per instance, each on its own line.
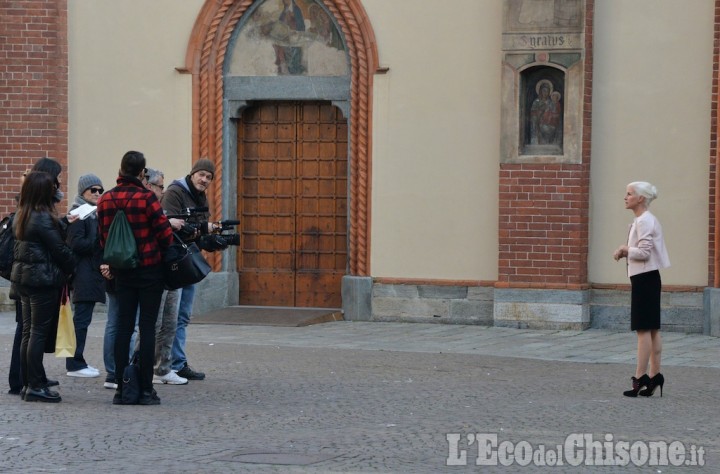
<point x="260" y="288"/>
<point x="293" y="205"/>
<point x="317" y="290"/>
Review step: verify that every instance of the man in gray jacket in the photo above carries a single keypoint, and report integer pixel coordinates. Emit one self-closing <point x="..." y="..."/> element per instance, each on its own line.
<point x="180" y="195"/>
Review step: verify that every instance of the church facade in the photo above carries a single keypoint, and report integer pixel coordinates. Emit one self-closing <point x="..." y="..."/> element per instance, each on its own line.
<point x="404" y="161"/>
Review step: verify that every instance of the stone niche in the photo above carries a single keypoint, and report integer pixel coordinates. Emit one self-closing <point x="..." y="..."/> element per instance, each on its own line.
<point x="542" y="83"/>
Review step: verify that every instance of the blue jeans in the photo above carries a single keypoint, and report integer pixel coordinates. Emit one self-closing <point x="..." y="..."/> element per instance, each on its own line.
<point x="82" y="317"/>
<point x="109" y="338"/>
<point x="187" y="296"/>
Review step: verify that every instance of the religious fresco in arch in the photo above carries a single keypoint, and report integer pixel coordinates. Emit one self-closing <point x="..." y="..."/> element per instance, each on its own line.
<point x="546" y="114"/>
<point x="536" y="15"/>
<point x="289" y="38"/>
<point x="542" y="111"/>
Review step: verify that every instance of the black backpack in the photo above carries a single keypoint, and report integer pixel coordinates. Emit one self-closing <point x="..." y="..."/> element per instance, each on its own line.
<point x="7" y="246"/>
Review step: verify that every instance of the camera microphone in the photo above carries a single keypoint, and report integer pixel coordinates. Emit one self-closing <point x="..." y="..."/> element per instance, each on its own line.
<point x="230" y="222"/>
<point x="191" y="210"/>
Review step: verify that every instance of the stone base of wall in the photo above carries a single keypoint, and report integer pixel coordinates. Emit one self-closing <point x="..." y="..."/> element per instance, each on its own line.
<point x="218" y="290"/>
<point x="680" y="312"/>
<point x="437" y="304"/>
<point x="364" y="300"/>
<point x="711" y="299"/>
<point x="541" y="309"/>
<point x="687" y="312"/>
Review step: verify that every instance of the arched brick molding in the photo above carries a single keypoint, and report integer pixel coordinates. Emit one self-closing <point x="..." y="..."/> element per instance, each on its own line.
<point x="204" y="60"/>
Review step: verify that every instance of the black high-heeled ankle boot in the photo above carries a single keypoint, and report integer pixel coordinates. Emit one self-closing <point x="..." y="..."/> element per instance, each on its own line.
<point x="637" y="384"/>
<point x="656" y="381"/>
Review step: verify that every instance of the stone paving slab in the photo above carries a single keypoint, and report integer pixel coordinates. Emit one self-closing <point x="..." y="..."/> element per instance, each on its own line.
<point x="365" y="397"/>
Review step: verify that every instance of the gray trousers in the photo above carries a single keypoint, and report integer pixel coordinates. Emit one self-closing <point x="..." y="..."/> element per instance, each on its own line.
<point x="165" y="331"/>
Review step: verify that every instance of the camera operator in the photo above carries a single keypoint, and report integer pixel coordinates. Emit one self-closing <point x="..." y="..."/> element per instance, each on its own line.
<point x="181" y="194"/>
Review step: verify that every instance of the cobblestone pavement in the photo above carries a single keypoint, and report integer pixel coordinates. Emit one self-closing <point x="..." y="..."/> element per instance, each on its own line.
<point x="368" y="397"/>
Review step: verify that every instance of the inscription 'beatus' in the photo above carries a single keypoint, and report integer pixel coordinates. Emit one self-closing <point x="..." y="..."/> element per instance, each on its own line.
<point x="546" y="41"/>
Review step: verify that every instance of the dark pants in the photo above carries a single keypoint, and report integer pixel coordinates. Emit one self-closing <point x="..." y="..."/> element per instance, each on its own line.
<point x="40" y="309"/>
<point x="15" y="375"/>
<point x="82" y="317"/>
<point x="142" y="289"/>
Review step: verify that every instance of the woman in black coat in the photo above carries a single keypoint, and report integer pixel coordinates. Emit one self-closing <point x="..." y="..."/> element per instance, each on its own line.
<point x="42" y="263"/>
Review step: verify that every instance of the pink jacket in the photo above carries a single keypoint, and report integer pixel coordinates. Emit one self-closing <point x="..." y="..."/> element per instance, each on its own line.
<point x="646" y="247"/>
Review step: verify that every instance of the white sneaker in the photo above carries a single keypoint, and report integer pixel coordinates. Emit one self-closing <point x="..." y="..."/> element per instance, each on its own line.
<point x="86" y="372"/>
<point x="93" y="369"/>
<point x="171" y="378"/>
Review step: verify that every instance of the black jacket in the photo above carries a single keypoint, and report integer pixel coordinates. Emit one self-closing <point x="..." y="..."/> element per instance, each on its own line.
<point x="42" y="258"/>
<point x="88" y="283"/>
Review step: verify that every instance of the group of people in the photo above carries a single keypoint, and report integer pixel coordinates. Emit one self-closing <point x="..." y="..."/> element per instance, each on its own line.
<point x="53" y="252"/>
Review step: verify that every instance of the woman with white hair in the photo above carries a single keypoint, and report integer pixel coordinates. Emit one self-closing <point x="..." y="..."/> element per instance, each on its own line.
<point x="646" y="255"/>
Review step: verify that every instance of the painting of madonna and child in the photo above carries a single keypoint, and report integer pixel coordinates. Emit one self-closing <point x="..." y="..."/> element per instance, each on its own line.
<point x="288" y="37"/>
<point x="542" y="124"/>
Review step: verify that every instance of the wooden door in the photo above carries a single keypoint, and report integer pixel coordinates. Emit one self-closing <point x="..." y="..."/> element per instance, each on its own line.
<point x="292" y="200"/>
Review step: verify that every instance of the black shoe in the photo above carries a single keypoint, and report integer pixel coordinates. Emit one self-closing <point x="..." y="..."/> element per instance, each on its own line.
<point x="15" y="391"/>
<point x="51" y="383"/>
<point x="637" y="384"/>
<point x="190" y="374"/>
<point x="42" y="395"/>
<point x="656" y="381"/>
<point x="149" y="398"/>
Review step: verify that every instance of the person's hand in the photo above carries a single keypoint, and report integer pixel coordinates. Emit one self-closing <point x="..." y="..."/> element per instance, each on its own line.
<point x="621" y="252"/>
<point x="72" y="218"/>
<point x="176" y="224"/>
<point x="105" y="271"/>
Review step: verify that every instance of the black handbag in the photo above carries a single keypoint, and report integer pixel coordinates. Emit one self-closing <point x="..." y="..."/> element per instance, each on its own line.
<point x="131" y="382"/>
<point x="184" y="265"/>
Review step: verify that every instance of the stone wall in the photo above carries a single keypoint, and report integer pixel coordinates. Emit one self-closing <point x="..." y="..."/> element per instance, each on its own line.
<point x="528" y="308"/>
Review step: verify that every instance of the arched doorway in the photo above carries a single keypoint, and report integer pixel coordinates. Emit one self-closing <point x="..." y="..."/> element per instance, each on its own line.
<point x="219" y="101"/>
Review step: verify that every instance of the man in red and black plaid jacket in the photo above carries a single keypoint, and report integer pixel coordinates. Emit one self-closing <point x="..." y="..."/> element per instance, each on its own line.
<point x="141" y="287"/>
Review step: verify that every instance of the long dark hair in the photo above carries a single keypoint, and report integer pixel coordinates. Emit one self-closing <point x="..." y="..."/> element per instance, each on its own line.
<point x="36" y="195"/>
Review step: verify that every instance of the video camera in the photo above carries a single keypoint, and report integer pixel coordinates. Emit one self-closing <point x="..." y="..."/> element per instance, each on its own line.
<point x="202" y="227"/>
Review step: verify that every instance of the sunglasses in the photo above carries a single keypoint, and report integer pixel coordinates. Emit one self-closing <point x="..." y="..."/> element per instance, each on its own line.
<point x="160" y="186"/>
<point x="96" y="190"/>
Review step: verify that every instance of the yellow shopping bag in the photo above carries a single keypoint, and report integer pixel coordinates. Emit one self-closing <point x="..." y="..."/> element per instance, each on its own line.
<point x="65" y="343"/>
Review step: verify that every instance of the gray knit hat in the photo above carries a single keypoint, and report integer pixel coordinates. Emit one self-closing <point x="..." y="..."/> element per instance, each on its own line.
<point x="88" y="181"/>
<point x="205" y="165"/>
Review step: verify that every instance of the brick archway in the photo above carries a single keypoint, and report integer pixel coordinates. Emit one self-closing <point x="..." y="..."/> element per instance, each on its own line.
<point x="204" y="60"/>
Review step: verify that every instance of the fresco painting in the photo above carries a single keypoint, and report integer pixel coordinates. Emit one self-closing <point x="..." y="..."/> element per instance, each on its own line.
<point x="289" y="37"/>
<point x="532" y="15"/>
<point x="546" y="113"/>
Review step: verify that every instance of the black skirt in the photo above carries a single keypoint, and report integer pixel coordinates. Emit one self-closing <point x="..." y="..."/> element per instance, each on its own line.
<point x="645" y="301"/>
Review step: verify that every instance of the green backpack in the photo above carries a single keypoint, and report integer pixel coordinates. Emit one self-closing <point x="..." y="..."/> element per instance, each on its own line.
<point x="120" y="246"/>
